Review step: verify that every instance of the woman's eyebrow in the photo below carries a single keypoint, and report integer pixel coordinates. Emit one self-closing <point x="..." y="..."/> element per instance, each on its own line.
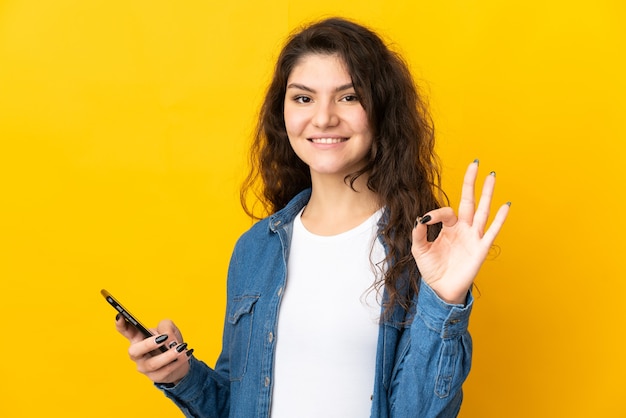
<point x="299" y="86"/>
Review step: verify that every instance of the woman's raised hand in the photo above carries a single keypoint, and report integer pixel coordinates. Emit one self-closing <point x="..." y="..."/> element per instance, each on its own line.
<point x="160" y="367"/>
<point x="450" y="263"/>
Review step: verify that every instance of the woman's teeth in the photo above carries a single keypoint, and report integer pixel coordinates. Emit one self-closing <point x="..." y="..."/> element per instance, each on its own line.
<point x="327" y="140"/>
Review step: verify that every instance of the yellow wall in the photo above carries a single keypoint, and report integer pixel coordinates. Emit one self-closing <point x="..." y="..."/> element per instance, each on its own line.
<point x="122" y="129"/>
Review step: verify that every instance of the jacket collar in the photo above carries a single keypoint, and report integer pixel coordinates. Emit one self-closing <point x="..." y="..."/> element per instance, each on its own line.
<point x="287" y="214"/>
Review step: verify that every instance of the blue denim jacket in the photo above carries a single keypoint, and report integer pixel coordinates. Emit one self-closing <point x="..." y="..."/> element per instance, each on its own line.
<point x="423" y="356"/>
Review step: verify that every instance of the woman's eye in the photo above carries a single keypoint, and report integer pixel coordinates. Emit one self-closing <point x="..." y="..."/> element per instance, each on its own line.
<point x="350" y="98"/>
<point x="302" y="99"/>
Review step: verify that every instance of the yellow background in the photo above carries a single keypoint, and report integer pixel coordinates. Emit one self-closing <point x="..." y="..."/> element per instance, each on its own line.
<point x="123" y="126"/>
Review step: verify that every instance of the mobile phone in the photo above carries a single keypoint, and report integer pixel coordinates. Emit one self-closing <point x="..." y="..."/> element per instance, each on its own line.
<point x="129" y="317"/>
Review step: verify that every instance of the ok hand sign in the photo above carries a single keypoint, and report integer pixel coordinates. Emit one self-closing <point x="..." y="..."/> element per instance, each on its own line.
<point x="450" y="263"/>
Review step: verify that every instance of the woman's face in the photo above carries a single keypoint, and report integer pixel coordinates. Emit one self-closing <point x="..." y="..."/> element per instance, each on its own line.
<point x="326" y="124"/>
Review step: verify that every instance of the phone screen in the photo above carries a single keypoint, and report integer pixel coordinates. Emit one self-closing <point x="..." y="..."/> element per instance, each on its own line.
<point x="128" y="316"/>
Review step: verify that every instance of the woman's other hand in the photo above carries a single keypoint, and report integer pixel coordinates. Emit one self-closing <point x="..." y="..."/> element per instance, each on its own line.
<point x="451" y="262"/>
<point x="160" y="367"/>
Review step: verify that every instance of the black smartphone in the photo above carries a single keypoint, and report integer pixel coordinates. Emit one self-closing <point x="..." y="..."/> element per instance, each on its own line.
<point x="129" y="317"/>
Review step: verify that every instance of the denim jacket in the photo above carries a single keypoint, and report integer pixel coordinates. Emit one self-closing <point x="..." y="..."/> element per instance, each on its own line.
<point x="423" y="356"/>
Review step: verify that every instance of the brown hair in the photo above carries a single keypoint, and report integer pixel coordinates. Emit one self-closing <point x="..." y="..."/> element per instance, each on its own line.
<point x="402" y="168"/>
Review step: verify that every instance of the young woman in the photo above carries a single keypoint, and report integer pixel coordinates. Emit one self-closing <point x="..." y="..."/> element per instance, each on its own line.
<point x="352" y="298"/>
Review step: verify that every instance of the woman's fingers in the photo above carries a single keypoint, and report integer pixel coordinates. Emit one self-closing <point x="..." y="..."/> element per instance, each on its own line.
<point x="160" y="357"/>
<point x="127" y="330"/>
<point x="468" y="204"/>
<point x="490" y="235"/>
<point x="475" y="218"/>
<point x="444" y="215"/>
<point x="141" y="349"/>
<point x="420" y="242"/>
<point x="168" y="366"/>
<point x="168" y="327"/>
<point x="484" y="205"/>
<point x="148" y="363"/>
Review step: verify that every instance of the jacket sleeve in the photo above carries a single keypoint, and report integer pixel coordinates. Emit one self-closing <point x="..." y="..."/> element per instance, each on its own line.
<point x="202" y="393"/>
<point x="431" y="370"/>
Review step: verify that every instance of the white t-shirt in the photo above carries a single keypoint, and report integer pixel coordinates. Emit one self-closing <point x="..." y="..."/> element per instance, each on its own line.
<point x="328" y="325"/>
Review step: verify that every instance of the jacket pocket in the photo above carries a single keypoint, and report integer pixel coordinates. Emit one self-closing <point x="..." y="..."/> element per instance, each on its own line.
<point x="240" y="315"/>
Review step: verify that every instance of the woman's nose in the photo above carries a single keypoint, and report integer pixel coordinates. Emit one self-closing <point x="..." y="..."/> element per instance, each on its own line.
<point x="325" y="115"/>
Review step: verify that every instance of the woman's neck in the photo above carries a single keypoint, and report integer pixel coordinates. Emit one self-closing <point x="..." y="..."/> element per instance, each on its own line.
<point x="335" y="207"/>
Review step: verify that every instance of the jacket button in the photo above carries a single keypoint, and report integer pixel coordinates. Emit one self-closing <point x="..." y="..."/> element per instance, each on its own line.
<point x="270" y="337"/>
<point x="267" y="381"/>
<point x="280" y="291"/>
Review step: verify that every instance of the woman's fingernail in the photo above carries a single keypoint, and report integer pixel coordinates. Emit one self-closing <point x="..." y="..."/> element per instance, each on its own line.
<point x="172" y="344"/>
<point x="425" y="219"/>
<point x="417" y="221"/>
<point x="181" y="347"/>
<point x="160" y="338"/>
<point x="477" y="161"/>
<point x="493" y="173"/>
<point x="189" y="353"/>
<point x="508" y="204"/>
<point x="117" y="317"/>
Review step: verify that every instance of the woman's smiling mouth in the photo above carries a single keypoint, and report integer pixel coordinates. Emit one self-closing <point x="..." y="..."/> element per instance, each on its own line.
<point x="327" y="140"/>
